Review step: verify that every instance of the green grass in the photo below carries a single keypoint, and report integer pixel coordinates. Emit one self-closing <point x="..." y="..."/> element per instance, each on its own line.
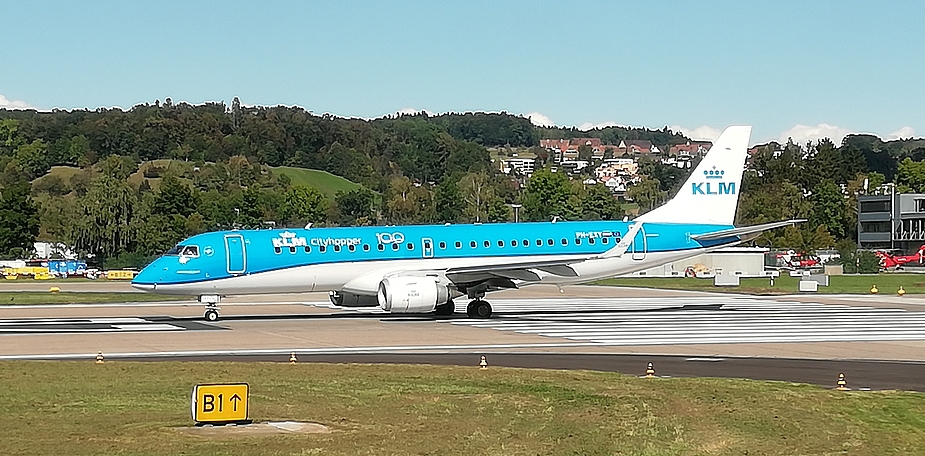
<point x="328" y="183"/>
<point x="851" y="284"/>
<point x="81" y="408"/>
<point x="64" y="297"/>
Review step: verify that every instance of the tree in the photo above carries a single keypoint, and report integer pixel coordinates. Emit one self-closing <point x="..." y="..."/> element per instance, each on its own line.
<point x="829" y="208"/>
<point x="402" y="205"/>
<point x="448" y="201"/>
<point x="174" y="197"/>
<point x="19" y="220"/>
<point x="302" y="204"/>
<point x="646" y="194"/>
<point x="546" y="196"/>
<point x="599" y="204"/>
<point x="477" y="193"/>
<point x="911" y="175"/>
<point x="104" y="225"/>
<point x="33" y="158"/>
<point x="354" y="207"/>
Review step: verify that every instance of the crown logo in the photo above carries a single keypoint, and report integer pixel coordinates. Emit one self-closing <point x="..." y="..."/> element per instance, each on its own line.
<point x="287" y="235"/>
<point x="714" y="173"/>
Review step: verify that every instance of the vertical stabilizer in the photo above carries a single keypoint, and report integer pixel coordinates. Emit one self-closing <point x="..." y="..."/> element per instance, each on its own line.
<point x="711" y="193"/>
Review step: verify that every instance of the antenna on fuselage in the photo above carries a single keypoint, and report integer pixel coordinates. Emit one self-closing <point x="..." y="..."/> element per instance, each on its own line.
<point x="309" y="226"/>
<point x="555" y="219"/>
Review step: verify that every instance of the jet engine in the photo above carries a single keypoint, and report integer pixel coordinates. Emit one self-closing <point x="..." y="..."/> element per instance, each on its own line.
<point x="411" y="294"/>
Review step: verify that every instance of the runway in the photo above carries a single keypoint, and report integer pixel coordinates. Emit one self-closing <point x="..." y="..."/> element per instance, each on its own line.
<point x="592" y="324"/>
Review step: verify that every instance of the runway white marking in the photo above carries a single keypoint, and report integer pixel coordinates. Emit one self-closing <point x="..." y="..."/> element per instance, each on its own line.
<point x="698" y="320"/>
<point x="83" y="325"/>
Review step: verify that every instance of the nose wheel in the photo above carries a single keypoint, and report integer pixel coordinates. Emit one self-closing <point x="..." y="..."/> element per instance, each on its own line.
<point x="478" y="309"/>
<point x="211" y="314"/>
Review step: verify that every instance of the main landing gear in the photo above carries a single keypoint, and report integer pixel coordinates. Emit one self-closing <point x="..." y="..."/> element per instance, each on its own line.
<point x="478" y="309"/>
<point x="211" y="302"/>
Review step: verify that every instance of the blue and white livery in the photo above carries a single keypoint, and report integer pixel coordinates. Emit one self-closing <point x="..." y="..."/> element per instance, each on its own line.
<point x="422" y="268"/>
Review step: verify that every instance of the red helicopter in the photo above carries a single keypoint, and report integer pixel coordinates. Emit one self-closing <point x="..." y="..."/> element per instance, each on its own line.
<point x="888" y="261"/>
<point x="797" y="260"/>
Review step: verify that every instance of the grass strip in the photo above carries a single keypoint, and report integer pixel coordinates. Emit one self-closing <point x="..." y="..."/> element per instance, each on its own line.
<point x="887" y="284"/>
<point x="129" y="408"/>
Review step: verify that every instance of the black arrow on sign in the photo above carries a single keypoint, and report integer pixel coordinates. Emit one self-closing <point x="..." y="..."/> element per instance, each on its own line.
<point x="234" y="402"/>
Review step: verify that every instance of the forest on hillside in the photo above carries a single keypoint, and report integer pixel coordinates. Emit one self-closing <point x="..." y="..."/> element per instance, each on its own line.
<point x="123" y="185"/>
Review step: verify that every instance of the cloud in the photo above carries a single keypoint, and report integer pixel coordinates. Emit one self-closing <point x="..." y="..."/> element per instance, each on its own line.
<point x="539" y="120"/>
<point x="904" y="132"/>
<point x="14" y="104"/>
<point x="701" y="133"/>
<point x="591" y="126"/>
<point x="801" y="134"/>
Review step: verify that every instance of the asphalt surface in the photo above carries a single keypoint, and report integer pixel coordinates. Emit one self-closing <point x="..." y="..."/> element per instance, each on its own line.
<point x="873" y="375"/>
<point x="804" y="338"/>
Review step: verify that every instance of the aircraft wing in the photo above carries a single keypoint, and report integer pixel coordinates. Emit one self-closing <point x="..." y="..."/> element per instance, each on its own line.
<point x="744" y="231"/>
<point x="493" y="277"/>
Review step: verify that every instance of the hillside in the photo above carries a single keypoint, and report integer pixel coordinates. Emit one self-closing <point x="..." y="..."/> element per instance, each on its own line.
<point x="328" y="183"/>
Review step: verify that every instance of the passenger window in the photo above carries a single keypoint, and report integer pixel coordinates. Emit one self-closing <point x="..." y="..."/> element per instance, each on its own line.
<point x="366" y="247"/>
<point x="381" y="247"/>
<point x="277" y="250"/>
<point x="395" y="247"/>
<point x="605" y="240"/>
<point x="514" y="243"/>
<point x="526" y="243"/>
<point x="337" y="248"/>
<point x="500" y="243"/>
<point x="308" y="249"/>
<point x="550" y="241"/>
<point x="458" y="245"/>
<point x="591" y="241"/>
<point x="351" y="247"/>
<point x="472" y="244"/>
<point x="442" y="245"/>
<point x="322" y="249"/>
<point x="577" y="241"/>
<point x="539" y="242"/>
<point x="564" y="241"/>
<point x="410" y="246"/>
<point x="487" y="244"/>
<point x="292" y="250"/>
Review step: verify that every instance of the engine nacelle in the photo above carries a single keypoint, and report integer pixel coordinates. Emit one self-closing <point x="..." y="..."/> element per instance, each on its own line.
<point x="411" y="294"/>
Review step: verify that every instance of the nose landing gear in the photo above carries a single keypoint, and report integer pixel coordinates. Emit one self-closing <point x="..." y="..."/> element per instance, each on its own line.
<point x="211" y="302"/>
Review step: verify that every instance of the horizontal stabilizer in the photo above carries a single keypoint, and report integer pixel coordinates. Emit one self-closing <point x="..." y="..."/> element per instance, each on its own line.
<point x="745" y="230"/>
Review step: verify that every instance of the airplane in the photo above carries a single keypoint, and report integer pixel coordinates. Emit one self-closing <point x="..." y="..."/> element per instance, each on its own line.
<point x="423" y="268"/>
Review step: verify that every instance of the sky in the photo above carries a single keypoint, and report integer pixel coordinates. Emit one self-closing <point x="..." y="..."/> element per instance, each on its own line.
<point x="797" y="69"/>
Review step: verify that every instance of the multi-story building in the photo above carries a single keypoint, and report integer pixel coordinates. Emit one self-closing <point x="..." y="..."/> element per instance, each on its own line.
<point x="891" y="221"/>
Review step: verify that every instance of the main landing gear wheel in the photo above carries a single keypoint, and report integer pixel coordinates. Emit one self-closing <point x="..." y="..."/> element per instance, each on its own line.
<point x="478" y="309"/>
<point x="446" y="308"/>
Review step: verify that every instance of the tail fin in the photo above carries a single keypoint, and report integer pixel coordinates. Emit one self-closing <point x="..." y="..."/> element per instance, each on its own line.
<point x="711" y="193"/>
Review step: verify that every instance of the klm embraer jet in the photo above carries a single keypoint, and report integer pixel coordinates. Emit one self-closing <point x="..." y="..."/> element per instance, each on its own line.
<point x="412" y="269"/>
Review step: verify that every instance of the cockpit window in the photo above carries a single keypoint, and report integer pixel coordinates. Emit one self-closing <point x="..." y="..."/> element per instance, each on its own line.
<point x="190" y="251"/>
<point x="174" y="251"/>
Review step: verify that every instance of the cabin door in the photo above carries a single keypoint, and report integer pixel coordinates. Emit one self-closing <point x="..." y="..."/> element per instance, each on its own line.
<point x="427" y="249"/>
<point x="234" y="251"/>
<point x="639" y="244"/>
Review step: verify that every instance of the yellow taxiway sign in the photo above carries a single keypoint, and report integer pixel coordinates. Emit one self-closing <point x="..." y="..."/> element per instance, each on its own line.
<point x="219" y="403"/>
